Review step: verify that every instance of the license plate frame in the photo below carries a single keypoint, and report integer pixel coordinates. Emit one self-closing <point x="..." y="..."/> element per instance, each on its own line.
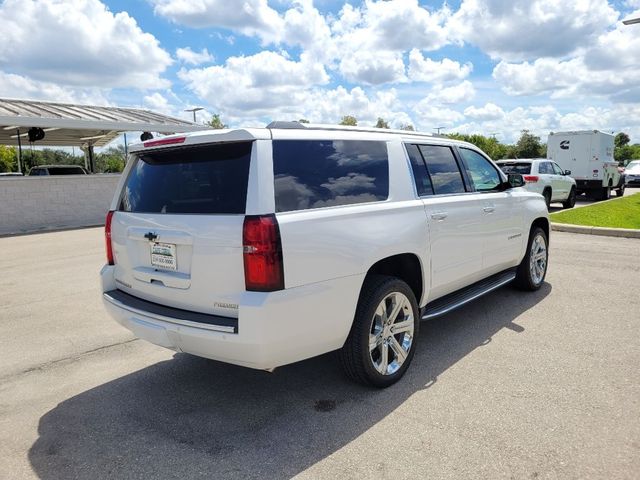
<point x="164" y="256"/>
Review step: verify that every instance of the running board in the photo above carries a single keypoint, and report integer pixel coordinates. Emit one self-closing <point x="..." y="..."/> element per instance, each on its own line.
<point x="454" y="300"/>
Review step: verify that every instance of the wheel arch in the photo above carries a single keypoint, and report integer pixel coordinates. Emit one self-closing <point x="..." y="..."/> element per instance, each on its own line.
<point x="405" y="266"/>
<point x="543" y="223"/>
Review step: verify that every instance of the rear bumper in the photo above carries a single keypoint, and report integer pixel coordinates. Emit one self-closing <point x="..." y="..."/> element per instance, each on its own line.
<point x="583" y="185"/>
<point x="272" y="329"/>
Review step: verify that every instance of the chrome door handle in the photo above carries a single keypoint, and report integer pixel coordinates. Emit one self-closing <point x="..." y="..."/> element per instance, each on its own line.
<point x="439" y="215"/>
<point x="489" y="209"/>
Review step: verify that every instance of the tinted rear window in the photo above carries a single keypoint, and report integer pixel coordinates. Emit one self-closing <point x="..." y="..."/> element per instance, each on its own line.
<point x="520" y="168"/>
<point x="202" y="179"/>
<point x="324" y="173"/>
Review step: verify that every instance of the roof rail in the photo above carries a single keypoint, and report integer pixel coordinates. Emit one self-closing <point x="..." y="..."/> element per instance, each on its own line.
<point x="325" y="126"/>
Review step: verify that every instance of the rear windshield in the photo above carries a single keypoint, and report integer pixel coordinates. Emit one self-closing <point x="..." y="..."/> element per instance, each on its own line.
<point x="522" y="168"/>
<point x="200" y="179"/>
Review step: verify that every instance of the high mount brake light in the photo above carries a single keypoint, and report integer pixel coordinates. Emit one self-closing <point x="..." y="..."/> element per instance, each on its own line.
<point x="262" y="253"/>
<point x="107" y="237"/>
<point x="165" y="141"/>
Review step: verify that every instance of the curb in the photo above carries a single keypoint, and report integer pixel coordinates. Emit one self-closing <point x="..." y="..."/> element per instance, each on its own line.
<point x="607" y="232"/>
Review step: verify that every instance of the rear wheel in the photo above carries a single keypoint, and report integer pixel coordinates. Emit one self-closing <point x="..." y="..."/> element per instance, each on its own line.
<point x="620" y="190"/>
<point x="605" y="193"/>
<point x="533" y="268"/>
<point x="383" y="336"/>
<point x="571" y="199"/>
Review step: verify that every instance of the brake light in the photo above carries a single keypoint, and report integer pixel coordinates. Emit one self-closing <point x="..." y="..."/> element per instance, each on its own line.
<point x="262" y="252"/>
<point x="107" y="237"/>
<point x="530" y="178"/>
<point x="165" y="141"/>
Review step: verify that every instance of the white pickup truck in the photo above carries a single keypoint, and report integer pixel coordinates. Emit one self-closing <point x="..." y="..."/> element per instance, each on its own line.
<point x="588" y="155"/>
<point x="263" y="247"/>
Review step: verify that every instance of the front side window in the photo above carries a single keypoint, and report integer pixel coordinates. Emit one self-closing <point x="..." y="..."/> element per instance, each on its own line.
<point x="557" y="169"/>
<point x="443" y="169"/>
<point x="325" y="173"/>
<point x="483" y="174"/>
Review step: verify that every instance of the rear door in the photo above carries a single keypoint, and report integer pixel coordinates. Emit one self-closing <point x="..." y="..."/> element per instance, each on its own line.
<point x="177" y="230"/>
<point x="454" y="217"/>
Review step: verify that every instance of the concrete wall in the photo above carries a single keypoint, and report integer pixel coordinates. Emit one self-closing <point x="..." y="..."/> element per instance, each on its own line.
<point x="31" y="204"/>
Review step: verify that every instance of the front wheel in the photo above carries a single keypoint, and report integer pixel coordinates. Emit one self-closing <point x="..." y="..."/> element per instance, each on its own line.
<point x="570" y="202"/>
<point x="620" y="191"/>
<point x="547" y="198"/>
<point x="383" y="336"/>
<point x="533" y="268"/>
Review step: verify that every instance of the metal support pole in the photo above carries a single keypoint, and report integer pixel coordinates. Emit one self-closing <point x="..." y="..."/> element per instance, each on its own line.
<point x="19" y="152"/>
<point x="92" y="166"/>
<point x="126" y="148"/>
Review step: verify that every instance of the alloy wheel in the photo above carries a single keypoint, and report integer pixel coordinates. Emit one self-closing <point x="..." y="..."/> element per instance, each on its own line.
<point x="391" y="333"/>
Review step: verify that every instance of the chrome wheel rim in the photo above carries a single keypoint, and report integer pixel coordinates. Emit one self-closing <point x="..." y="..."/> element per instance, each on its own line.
<point x="391" y="333"/>
<point x="538" y="259"/>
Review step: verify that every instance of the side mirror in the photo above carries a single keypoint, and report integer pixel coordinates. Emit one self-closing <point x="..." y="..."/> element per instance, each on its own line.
<point x="516" y="180"/>
<point x="567" y="172"/>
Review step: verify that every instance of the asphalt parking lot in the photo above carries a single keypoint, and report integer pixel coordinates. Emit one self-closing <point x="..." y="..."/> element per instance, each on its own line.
<point x="541" y="385"/>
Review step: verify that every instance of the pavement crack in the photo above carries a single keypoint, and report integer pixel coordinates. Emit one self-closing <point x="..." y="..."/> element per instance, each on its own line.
<point x="77" y="356"/>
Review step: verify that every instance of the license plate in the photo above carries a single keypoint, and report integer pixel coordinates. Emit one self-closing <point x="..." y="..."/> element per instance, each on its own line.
<point x="163" y="255"/>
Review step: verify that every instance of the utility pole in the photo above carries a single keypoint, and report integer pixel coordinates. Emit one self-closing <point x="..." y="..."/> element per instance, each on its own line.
<point x="438" y="129"/>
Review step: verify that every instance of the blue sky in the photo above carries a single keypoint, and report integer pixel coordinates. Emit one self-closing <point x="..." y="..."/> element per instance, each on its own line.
<point x="474" y="66"/>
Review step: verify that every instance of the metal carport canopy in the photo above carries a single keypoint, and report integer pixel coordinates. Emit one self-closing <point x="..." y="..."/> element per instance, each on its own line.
<point x="77" y="125"/>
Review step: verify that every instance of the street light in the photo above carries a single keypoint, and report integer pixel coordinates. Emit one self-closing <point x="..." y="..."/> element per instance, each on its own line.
<point x="631" y="21"/>
<point x="194" y="110"/>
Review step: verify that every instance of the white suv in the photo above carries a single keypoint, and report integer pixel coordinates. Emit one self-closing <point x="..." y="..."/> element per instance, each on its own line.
<point x="544" y="177"/>
<point x="263" y="247"/>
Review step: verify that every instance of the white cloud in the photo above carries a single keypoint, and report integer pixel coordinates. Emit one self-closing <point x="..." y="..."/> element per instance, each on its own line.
<point x="258" y="82"/>
<point x="519" y="30"/>
<point x="190" y="57"/>
<point x="490" y="111"/>
<point x="423" y="69"/>
<point x="79" y="43"/>
<point x="609" y="68"/>
<point x="249" y="17"/>
<point x="18" y="86"/>
<point x="373" y="68"/>
<point x="463" y="92"/>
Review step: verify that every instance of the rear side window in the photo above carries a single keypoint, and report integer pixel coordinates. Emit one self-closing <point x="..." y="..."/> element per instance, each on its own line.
<point x="323" y="173"/>
<point x="420" y="174"/>
<point x="200" y="179"/>
<point x="545" y="168"/>
<point x="443" y="169"/>
<point x="521" y="168"/>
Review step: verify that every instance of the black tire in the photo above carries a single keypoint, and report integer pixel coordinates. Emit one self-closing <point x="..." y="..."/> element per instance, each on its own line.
<point x="605" y="193"/>
<point x="570" y="202"/>
<point x="355" y="356"/>
<point x="524" y="275"/>
<point x="620" y="190"/>
<point x="547" y="197"/>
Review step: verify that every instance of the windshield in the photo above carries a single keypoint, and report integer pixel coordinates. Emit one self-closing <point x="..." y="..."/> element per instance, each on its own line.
<point x="522" y="168"/>
<point x="633" y="166"/>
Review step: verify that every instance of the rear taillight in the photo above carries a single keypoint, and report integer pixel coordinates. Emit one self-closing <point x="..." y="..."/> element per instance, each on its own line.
<point x="107" y="237"/>
<point x="530" y="178"/>
<point x="262" y="252"/>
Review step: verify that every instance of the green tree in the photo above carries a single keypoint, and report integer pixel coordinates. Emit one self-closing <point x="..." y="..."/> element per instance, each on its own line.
<point x="8" y="159"/>
<point x="110" y="160"/>
<point x="303" y="120"/>
<point x="529" y="146"/>
<point x="621" y="139"/>
<point x="216" y="122"/>
<point x="382" y="123"/>
<point x="407" y="126"/>
<point x="349" y="120"/>
<point x="490" y="145"/>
